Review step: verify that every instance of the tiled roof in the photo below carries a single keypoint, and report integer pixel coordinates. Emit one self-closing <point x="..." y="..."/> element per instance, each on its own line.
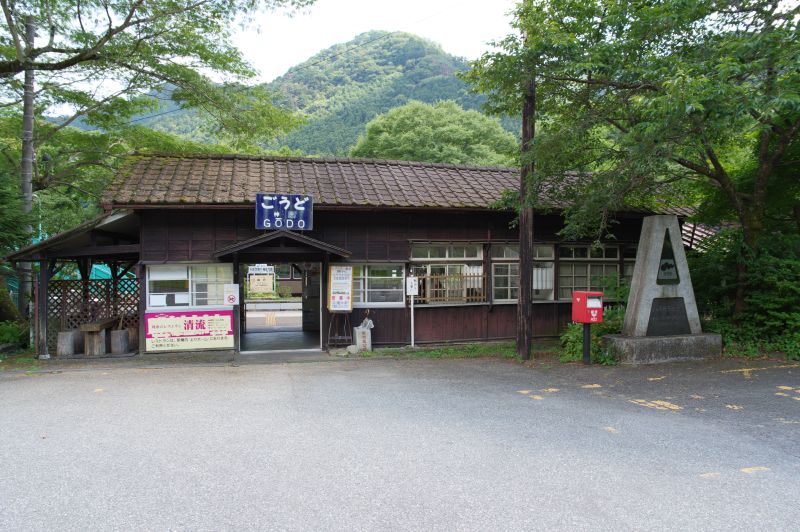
<point x="218" y="180"/>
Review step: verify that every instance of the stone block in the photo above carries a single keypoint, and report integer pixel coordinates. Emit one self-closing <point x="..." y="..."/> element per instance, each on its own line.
<point x="657" y="349"/>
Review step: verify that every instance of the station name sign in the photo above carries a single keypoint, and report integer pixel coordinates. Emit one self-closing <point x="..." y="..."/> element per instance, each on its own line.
<point x="294" y="212"/>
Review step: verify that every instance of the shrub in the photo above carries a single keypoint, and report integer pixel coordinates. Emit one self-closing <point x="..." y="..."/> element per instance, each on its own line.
<point x="572" y="339"/>
<point x="771" y="320"/>
<point x="13" y="332"/>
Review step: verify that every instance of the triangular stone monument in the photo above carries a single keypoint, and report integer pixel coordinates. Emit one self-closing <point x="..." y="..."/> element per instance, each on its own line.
<point x="661" y="320"/>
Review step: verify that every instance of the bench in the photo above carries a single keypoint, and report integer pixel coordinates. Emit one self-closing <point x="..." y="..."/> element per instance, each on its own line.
<point x="94" y="336"/>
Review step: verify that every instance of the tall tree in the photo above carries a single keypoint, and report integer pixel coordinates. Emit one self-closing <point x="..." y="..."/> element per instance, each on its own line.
<point x="101" y="60"/>
<point x="439" y="133"/>
<point x="641" y="96"/>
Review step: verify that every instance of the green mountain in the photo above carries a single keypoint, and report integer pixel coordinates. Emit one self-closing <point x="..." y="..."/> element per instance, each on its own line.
<point x="342" y="88"/>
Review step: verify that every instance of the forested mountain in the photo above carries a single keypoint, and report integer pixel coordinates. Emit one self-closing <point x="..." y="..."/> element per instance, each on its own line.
<point x="342" y="88"/>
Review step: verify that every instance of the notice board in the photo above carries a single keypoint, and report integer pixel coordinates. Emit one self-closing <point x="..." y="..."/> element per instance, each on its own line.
<point x="340" y="288"/>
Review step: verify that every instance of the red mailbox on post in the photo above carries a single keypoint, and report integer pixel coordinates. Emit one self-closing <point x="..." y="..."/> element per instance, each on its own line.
<point x="587" y="307"/>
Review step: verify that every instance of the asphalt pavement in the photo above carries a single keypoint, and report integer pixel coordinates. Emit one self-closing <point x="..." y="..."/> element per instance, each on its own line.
<point x="402" y="445"/>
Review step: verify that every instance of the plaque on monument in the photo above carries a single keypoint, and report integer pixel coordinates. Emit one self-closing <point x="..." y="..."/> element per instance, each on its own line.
<point x="667" y="268"/>
<point x="668" y="317"/>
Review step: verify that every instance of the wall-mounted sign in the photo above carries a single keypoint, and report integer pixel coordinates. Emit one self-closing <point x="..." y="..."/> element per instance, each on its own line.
<point x="260" y="268"/>
<point x="262" y="284"/>
<point x="189" y="330"/>
<point x="340" y="288"/>
<point x="294" y="212"/>
<point x="230" y="294"/>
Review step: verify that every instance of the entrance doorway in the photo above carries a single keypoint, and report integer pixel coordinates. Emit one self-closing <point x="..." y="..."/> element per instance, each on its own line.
<point x="281" y="307"/>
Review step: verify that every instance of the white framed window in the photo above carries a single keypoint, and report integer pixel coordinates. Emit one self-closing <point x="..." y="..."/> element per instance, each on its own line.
<point x="505" y="282"/>
<point x="585" y="276"/>
<point x="378" y="285"/>
<point x="587" y="267"/>
<point x="543" y="280"/>
<point x="450" y="283"/>
<point x="185" y="285"/>
<point x="446" y="252"/>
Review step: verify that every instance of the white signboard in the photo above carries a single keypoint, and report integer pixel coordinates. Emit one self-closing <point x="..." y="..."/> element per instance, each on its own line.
<point x="260" y="268"/>
<point x="340" y="288"/>
<point x="412" y="286"/>
<point x="231" y="294"/>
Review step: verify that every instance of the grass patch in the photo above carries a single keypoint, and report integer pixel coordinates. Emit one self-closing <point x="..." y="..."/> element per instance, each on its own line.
<point x="19" y="362"/>
<point x="502" y="350"/>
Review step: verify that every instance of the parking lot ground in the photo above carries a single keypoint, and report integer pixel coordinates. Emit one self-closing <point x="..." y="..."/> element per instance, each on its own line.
<point x="402" y="444"/>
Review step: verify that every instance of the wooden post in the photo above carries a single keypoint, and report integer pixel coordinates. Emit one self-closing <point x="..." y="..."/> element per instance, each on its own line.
<point x="323" y="283"/>
<point x="41" y="304"/>
<point x="525" y="300"/>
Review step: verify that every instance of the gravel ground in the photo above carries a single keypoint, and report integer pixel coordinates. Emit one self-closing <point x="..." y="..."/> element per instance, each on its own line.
<point x="401" y="444"/>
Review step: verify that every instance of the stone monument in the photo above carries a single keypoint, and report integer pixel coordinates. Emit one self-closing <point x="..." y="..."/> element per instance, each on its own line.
<point x="661" y="320"/>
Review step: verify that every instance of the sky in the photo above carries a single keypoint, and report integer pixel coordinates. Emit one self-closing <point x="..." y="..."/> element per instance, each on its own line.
<point x="276" y="42"/>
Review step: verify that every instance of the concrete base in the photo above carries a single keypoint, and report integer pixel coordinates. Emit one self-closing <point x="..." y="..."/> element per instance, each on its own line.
<point x="656" y="349"/>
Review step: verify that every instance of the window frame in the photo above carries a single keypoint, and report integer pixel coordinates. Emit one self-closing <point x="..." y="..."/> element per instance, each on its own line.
<point x="191" y="284"/>
<point x="363" y="281"/>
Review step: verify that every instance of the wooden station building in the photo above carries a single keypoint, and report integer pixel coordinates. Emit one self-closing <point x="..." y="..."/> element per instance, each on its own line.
<point x="177" y="230"/>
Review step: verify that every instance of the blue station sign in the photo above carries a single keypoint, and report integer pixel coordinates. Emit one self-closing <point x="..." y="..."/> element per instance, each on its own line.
<point x="294" y="212"/>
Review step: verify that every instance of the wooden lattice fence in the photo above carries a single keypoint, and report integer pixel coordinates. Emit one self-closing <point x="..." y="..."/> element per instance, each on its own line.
<point x="73" y="303"/>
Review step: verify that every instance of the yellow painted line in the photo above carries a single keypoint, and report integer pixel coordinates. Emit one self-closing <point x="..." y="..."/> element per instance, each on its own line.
<point x="710" y="474"/>
<point x="592" y="386"/>
<point x="551" y="390"/>
<point x="524" y="392"/>
<point x="658" y="405"/>
<point x="782" y="394"/>
<point x="537" y="397"/>
<point x="785" y="388"/>
<point x="748" y="370"/>
<point x="656" y="378"/>
<point x="734" y="407"/>
<point x="98" y="390"/>
<point x="754" y="469"/>
<point x="612" y="430"/>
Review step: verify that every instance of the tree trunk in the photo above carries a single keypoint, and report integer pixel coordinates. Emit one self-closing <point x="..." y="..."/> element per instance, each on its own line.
<point x="524" y="301"/>
<point x="26" y="166"/>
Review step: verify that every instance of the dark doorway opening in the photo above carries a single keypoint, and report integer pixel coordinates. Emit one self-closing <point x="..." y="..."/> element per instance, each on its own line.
<point x="281" y="310"/>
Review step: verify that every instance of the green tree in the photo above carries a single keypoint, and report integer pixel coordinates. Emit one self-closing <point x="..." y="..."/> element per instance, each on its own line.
<point x="439" y="133"/>
<point x="649" y="99"/>
<point x="103" y="61"/>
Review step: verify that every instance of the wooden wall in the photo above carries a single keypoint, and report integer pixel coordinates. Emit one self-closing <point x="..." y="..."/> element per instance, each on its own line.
<point x="460" y="323"/>
<point x="194" y="235"/>
<point x="188" y="234"/>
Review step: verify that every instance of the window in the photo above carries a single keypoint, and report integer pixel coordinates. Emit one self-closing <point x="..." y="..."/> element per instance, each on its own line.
<point x="505" y="251"/>
<point x="505" y="282"/>
<point x="585" y="267"/>
<point x="450" y="283"/>
<point x="543" y="280"/>
<point x="379" y="283"/>
<point x="284" y="272"/>
<point x="183" y="285"/>
<point x="446" y="252"/>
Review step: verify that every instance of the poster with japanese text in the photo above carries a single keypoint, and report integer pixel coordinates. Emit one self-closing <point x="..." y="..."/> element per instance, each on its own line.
<point x="340" y="288"/>
<point x="188" y="330"/>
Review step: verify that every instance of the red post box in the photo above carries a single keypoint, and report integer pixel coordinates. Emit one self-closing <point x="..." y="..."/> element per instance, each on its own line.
<point x="587" y="307"/>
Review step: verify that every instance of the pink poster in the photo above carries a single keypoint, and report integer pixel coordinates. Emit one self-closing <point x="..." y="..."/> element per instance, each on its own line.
<point x="188" y="330"/>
